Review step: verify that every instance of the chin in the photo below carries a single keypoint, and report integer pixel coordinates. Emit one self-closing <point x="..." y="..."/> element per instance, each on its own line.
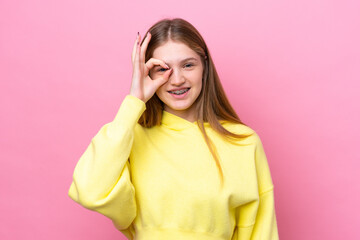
<point x="176" y="105"/>
<point x="180" y="107"/>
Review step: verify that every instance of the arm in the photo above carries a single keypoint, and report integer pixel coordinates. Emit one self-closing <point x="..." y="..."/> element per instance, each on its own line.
<point x="263" y="225"/>
<point x="101" y="179"/>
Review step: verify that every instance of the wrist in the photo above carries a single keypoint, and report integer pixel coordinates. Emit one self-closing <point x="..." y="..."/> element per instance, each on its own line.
<point x="137" y="96"/>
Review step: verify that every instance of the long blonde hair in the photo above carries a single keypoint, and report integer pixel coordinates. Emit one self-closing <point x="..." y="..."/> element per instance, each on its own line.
<point x="212" y="103"/>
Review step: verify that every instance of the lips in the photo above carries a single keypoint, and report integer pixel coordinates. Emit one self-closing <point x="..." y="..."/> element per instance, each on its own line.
<point x="178" y="89"/>
<point x="180" y="92"/>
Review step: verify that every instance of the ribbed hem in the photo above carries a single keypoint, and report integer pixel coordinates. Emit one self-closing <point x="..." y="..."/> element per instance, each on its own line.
<point x="130" y="110"/>
<point x="167" y="234"/>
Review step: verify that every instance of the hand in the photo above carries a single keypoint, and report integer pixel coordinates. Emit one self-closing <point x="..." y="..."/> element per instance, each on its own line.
<point x="142" y="86"/>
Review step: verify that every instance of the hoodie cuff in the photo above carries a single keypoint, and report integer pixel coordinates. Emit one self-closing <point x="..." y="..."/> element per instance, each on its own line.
<point x="130" y="110"/>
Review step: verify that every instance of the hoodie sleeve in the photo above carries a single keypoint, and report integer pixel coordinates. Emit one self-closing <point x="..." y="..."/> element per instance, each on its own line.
<point x="101" y="178"/>
<point x="257" y="220"/>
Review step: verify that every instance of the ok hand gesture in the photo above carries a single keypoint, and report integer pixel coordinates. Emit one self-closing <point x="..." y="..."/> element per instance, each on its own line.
<point x="142" y="86"/>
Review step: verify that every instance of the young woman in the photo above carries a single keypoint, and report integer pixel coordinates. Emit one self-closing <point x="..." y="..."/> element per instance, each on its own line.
<point x="176" y="162"/>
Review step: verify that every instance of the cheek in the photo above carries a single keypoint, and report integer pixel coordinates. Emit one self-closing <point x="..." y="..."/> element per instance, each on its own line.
<point x="161" y="90"/>
<point x="196" y="78"/>
<point x="152" y="74"/>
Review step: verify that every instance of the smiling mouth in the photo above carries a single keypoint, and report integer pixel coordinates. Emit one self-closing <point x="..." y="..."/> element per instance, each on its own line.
<point x="179" y="92"/>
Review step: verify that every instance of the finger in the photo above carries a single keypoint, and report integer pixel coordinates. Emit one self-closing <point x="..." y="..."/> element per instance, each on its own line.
<point x="144" y="46"/>
<point x="153" y="62"/>
<point x="137" y="56"/>
<point x="134" y="48"/>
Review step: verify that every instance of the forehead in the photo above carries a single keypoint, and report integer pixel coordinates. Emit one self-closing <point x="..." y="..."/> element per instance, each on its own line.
<point x="172" y="51"/>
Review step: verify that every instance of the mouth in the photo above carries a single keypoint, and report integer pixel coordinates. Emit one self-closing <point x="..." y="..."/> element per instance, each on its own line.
<point x="179" y="93"/>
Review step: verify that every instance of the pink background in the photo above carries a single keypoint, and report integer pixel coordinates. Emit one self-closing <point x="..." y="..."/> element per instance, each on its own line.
<point x="290" y="69"/>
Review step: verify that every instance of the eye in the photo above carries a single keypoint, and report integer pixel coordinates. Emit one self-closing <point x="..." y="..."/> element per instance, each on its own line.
<point x="189" y="65"/>
<point x="162" y="69"/>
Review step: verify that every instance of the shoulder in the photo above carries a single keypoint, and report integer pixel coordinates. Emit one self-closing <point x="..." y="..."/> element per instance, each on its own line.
<point x="242" y="129"/>
<point x="237" y="128"/>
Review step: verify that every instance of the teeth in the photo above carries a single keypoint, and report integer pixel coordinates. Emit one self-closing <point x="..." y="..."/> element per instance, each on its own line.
<point x="180" y="91"/>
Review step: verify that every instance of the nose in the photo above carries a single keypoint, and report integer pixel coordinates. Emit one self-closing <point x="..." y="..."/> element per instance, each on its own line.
<point x="176" y="77"/>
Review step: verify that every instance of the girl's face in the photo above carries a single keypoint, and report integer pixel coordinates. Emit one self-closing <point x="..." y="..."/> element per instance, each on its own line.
<point x="185" y="82"/>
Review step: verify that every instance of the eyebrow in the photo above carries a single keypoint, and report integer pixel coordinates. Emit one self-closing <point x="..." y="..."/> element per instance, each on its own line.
<point x="186" y="59"/>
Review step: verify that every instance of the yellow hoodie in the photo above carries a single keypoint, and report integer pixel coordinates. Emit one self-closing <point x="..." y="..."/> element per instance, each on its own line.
<point x="161" y="183"/>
